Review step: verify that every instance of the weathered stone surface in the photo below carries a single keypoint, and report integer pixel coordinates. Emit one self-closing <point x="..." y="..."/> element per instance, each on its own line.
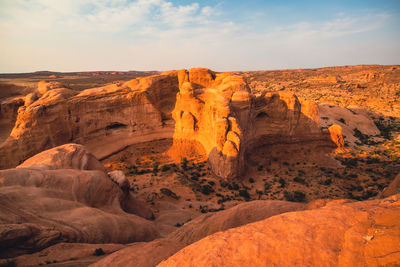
<point x="69" y="156"/>
<point x="58" y="197"/>
<point x="221" y="118"/>
<point x="393" y="188"/>
<point x="206" y="113"/>
<point x="104" y="119"/>
<point x="339" y="234"/>
<point x="119" y="178"/>
<point x="151" y="253"/>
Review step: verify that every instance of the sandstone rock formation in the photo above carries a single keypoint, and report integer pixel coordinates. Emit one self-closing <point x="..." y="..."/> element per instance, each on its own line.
<point x="69" y="156"/>
<point x="104" y="119"/>
<point x="218" y="116"/>
<point x="151" y="253"/>
<point x="206" y="113"/>
<point x="339" y="234"/>
<point x="65" y="199"/>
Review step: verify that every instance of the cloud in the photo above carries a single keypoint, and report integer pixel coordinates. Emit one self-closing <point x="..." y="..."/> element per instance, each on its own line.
<point x="100" y="15"/>
<point x="161" y="34"/>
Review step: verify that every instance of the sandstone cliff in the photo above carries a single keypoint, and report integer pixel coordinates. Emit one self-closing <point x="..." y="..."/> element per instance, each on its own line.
<point x="206" y="113"/>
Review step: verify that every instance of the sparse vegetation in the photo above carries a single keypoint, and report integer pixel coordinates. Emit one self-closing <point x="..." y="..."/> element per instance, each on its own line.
<point x="243" y="193"/>
<point x="296" y="196"/>
<point x="9" y="263"/>
<point x="184" y="163"/>
<point x="98" y="252"/>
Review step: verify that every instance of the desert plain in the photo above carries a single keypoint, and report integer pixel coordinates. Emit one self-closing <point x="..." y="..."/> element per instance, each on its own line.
<point x="297" y="167"/>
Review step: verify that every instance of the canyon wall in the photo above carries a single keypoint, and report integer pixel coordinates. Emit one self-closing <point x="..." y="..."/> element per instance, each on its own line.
<point x="206" y="113"/>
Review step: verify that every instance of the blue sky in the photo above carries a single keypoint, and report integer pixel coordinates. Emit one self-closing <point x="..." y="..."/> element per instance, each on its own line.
<point x="78" y="35"/>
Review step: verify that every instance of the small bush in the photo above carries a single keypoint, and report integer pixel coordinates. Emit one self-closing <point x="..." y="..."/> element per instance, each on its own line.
<point x="98" y="252"/>
<point x="165" y="168"/>
<point x="206" y="189"/>
<point x="184" y="163"/>
<point x="350" y="162"/>
<point x="251" y="180"/>
<point x="363" y="137"/>
<point x="282" y="182"/>
<point x="326" y="182"/>
<point x="296" y="196"/>
<point x="8" y="263"/>
<point x="299" y="180"/>
<point x="155" y="168"/>
<point x="234" y="186"/>
<point x="342" y="120"/>
<point x="244" y="193"/>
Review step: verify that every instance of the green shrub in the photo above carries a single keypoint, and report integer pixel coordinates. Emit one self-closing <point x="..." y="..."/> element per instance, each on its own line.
<point x="296" y="196"/>
<point x="8" y="263"/>
<point x="155" y="168"/>
<point x="299" y="180"/>
<point x="98" y="252"/>
<point x="282" y="182"/>
<point x="206" y="189"/>
<point x="350" y="162"/>
<point x="165" y="168"/>
<point x="184" y="163"/>
<point x="243" y="193"/>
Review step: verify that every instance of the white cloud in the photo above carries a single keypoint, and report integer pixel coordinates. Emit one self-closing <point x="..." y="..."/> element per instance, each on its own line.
<point x="100" y="15"/>
<point x="158" y="34"/>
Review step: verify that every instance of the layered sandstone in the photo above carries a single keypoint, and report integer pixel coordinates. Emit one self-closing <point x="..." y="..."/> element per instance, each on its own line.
<point x="218" y="116"/>
<point x="63" y="195"/>
<point x="104" y="119"/>
<point x="206" y="113"/>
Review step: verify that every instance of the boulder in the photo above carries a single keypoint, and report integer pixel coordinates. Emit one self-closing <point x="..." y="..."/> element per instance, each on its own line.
<point x="62" y="195"/>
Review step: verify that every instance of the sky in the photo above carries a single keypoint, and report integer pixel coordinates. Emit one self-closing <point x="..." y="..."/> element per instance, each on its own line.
<point x="91" y="35"/>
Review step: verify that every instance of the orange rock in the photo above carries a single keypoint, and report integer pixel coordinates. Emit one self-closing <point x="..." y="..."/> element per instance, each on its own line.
<point x="210" y="114"/>
<point x="393" y="188"/>
<point x="63" y="195"/>
<point x="151" y="253"/>
<point x="344" y="234"/>
<point x="336" y="135"/>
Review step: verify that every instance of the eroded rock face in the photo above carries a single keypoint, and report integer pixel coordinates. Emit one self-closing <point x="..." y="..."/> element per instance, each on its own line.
<point x="393" y="188"/>
<point x="62" y="195"/>
<point x="339" y="234"/>
<point x="206" y="113"/>
<point x="69" y="156"/>
<point x="104" y="119"/>
<point x="217" y="115"/>
<point x="151" y="253"/>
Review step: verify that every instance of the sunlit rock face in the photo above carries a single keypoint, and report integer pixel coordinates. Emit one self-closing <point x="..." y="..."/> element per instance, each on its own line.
<point x="341" y="233"/>
<point x="104" y="119"/>
<point x="216" y="114"/>
<point x="208" y="114"/>
<point x="64" y="195"/>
